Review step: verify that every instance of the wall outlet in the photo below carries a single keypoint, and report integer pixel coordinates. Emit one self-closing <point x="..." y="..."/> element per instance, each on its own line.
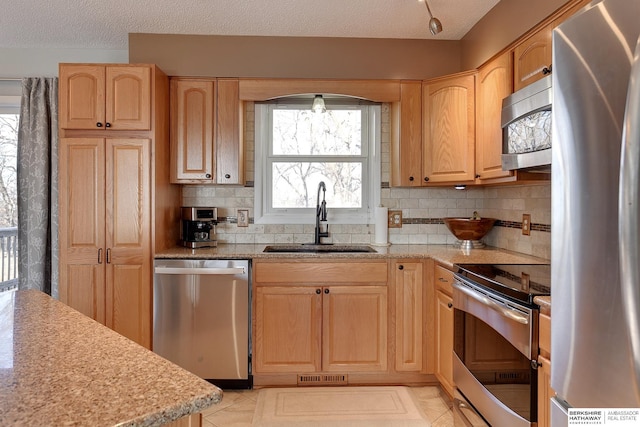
<point x="243" y="217"/>
<point x="395" y="219"/>
<point x="526" y="224"/>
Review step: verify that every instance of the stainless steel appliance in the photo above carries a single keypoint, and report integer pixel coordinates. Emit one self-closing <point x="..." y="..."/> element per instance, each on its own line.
<point x="526" y="127"/>
<point x="198" y="227"/>
<point x="496" y="343"/>
<point x="595" y="329"/>
<point x="201" y="318"/>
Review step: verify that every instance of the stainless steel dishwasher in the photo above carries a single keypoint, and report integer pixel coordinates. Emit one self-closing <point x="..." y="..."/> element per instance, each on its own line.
<point x="201" y="318"/>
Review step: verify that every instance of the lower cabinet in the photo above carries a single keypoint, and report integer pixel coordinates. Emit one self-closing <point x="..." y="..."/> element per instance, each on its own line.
<point x="325" y="328"/>
<point x="105" y="232"/>
<point x="443" y="278"/>
<point x="545" y="392"/>
<point x="320" y="317"/>
<point x="353" y="321"/>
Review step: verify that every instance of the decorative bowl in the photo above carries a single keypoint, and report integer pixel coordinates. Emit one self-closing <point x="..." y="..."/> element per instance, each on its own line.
<point x="469" y="231"/>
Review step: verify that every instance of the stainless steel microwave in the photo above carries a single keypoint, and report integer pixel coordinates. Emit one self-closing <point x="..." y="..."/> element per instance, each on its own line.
<point x="526" y="127"/>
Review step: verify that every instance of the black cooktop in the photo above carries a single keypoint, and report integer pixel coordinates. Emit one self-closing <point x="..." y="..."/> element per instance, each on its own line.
<point x="521" y="282"/>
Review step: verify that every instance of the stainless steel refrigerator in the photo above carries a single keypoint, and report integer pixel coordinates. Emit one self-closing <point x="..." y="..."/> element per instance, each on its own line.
<point x="595" y="296"/>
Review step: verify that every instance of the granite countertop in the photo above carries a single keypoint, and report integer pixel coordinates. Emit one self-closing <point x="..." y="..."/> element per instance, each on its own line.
<point x="545" y="304"/>
<point x="445" y="254"/>
<point x="59" y="367"/>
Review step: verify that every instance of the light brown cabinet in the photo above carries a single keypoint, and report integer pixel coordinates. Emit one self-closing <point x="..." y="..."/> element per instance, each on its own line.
<point x="532" y="58"/>
<point x="94" y="96"/>
<point x="443" y="278"/>
<point x="448" y="113"/>
<point x="410" y="315"/>
<point x="325" y="328"/>
<point x="545" y="392"/>
<point x="406" y="140"/>
<point x="493" y="85"/>
<point x="287" y="329"/>
<point x="116" y="203"/>
<point x="320" y="317"/>
<point x="206" y="131"/>
<point x="105" y="227"/>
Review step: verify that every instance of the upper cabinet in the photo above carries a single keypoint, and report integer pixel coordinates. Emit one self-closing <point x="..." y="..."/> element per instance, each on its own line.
<point x="95" y="96"/>
<point x="532" y="58"/>
<point x="493" y="85"/>
<point x="448" y="112"/>
<point x="206" y="131"/>
<point x="406" y="139"/>
<point x="532" y="53"/>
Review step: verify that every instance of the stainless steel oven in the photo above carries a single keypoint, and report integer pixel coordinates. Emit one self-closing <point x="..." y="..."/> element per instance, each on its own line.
<point x="496" y="343"/>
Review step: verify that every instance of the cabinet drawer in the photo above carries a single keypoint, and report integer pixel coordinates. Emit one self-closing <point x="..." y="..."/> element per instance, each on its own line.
<point x="320" y="272"/>
<point x="443" y="279"/>
<point x="545" y="334"/>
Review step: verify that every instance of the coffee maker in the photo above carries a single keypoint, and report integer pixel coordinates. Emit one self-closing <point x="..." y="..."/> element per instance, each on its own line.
<point x="198" y="228"/>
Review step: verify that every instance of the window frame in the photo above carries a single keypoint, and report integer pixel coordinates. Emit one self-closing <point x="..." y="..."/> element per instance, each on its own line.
<point x="371" y="177"/>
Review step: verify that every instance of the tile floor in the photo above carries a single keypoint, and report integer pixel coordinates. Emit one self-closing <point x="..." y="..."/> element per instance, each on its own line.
<point x="237" y="407"/>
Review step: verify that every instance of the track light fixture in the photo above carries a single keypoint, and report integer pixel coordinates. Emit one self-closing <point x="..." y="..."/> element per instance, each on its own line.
<point x="435" y="26"/>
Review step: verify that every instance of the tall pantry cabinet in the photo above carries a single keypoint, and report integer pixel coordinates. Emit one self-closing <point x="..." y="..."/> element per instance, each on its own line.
<point x="116" y="203"/>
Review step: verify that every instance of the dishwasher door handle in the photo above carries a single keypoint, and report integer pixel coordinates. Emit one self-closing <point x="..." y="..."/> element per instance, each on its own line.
<point x="200" y="270"/>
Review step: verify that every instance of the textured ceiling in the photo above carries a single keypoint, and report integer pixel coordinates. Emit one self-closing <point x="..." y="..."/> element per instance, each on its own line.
<point x="105" y="24"/>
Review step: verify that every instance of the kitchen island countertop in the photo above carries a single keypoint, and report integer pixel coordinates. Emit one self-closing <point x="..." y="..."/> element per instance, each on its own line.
<point x="445" y="254"/>
<point x="59" y="367"/>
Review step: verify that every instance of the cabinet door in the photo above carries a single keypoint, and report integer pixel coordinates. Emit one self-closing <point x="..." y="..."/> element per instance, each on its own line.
<point x="229" y="145"/>
<point x="287" y="329"/>
<point x="128" y="240"/>
<point x="449" y="130"/>
<point x="406" y="142"/>
<point x="444" y="340"/>
<point x="532" y="57"/>
<point x="192" y="127"/>
<point x="545" y="392"/>
<point x="81" y="96"/>
<point x="409" y="278"/>
<point x="128" y="98"/>
<point x="494" y="84"/>
<point x="82" y="225"/>
<point x="354" y="331"/>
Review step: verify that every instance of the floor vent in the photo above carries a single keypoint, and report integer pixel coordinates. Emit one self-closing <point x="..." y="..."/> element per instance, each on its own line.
<point x="321" y="379"/>
<point x="512" y="377"/>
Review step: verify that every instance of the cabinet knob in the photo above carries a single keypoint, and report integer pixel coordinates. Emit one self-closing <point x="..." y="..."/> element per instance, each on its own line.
<point x="546" y="70"/>
<point x="478" y="175"/>
<point x="326" y="290"/>
<point x="99" y="124"/>
<point x="227" y="176"/>
<point x="442" y="279"/>
<point x="401" y="267"/>
<point x="208" y="176"/>
<point x="426" y="179"/>
<point x="449" y="305"/>
<point x="318" y="291"/>
<point x="410" y="178"/>
<point x="107" y="125"/>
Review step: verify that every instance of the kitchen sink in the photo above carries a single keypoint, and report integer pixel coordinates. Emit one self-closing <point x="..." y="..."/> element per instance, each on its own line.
<point x="323" y="248"/>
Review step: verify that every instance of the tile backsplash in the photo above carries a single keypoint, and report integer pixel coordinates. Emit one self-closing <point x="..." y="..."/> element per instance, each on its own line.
<point x="422" y="209"/>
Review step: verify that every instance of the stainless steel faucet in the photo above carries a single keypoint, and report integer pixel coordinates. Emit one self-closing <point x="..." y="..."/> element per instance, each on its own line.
<point x="321" y="214"/>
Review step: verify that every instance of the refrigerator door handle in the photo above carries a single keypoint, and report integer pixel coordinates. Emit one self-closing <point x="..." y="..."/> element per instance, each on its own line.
<point x="629" y="212"/>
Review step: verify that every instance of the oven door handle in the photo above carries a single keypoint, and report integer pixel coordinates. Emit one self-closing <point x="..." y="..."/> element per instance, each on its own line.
<point x="500" y="308"/>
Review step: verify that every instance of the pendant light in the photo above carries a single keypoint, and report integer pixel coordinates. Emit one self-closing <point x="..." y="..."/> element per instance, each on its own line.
<point x="435" y="26"/>
<point x="318" y="104"/>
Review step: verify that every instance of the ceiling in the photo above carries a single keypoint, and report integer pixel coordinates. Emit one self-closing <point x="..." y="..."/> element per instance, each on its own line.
<point x="105" y="24"/>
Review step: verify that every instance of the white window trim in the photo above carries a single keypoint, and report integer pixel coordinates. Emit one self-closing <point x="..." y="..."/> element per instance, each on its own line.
<point x="307" y="215"/>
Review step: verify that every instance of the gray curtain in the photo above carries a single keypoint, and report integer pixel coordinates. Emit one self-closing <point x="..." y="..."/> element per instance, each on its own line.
<point x="38" y="186"/>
